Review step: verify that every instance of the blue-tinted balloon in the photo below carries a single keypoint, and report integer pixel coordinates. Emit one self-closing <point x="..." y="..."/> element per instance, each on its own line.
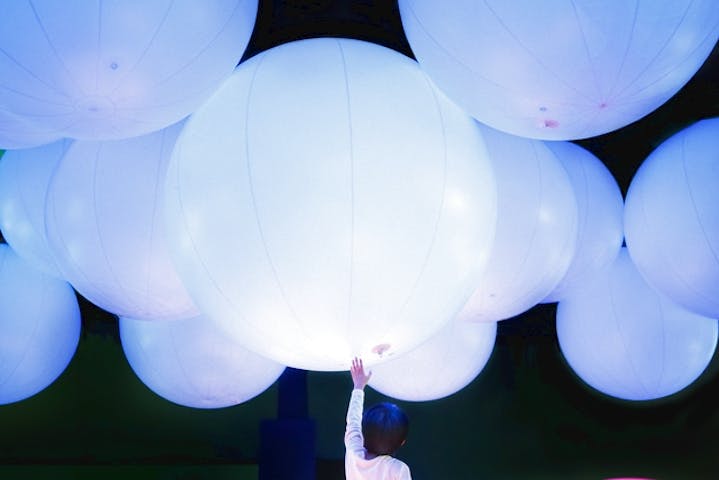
<point x="671" y="220"/>
<point x="629" y="341"/>
<point x="190" y="362"/>
<point x="107" y="70"/>
<point x="443" y="365"/>
<point x="536" y="232"/>
<point x="600" y="209"/>
<point x="563" y="70"/>
<point x="24" y="181"/>
<point x="39" y="328"/>
<point x="329" y="201"/>
<point x="105" y="227"/>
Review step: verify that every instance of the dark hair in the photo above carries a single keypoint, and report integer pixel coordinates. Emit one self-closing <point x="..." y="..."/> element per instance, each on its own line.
<point x="385" y="428"/>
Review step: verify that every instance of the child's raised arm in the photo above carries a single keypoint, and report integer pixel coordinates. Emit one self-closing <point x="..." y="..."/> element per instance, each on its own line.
<point x="359" y="377"/>
<point x="354" y="441"/>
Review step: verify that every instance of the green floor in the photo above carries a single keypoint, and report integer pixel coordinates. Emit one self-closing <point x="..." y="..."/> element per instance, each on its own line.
<point x="154" y="472"/>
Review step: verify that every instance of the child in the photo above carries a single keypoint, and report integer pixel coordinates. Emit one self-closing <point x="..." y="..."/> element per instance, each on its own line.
<point x="372" y="438"/>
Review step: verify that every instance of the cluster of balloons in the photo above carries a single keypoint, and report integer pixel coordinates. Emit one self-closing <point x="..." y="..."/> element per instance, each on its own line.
<point x="92" y="102"/>
<point x="331" y="198"/>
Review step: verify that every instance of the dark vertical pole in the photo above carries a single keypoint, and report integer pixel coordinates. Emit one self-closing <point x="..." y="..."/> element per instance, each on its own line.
<point x="287" y="444"/>
<point x="292" y="401"/>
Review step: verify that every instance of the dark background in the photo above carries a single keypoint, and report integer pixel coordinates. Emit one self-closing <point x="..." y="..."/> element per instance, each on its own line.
<point x="526" y="415"/>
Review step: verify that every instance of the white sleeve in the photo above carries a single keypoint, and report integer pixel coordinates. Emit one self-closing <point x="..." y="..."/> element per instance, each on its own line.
<point x="354" y="440"/>
<point x="404" y="473"/>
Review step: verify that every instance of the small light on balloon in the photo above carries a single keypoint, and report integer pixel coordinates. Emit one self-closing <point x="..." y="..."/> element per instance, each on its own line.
<point x="456" y="201"/>
<point x="546" y="216"/>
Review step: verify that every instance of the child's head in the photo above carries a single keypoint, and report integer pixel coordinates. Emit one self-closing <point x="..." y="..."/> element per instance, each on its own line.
<point x="385" y="428"/>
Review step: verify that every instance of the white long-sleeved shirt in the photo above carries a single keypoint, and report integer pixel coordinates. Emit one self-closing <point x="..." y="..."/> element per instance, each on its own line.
<point x="357" y="465"/>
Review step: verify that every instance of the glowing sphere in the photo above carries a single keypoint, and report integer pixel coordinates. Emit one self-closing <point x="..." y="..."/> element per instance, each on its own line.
<point x="39" y="328"/>
<point x="627" y="340"/>
<point x="441" y="366"/>
<point x="536" y="229"/>
<point x="105" y="229"/>
<point x="567" y="70"/>
<point x="191" y="363"/>
<point x="24" y="179"/>
<point x="671" y="218"/>
<point x="109" y="70"/>
<point x="328" y="202"/>
<point x="16" y="133"/>
<point x="600" y="205"/>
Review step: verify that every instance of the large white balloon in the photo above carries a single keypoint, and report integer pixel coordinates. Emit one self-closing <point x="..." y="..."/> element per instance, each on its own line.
<point x="536" y="229"/>
<point x="441" y="366"/>
<point x="107" y="70"/>
<point x="328" y="202"/>
<point x="39" y="328"/>
<point x="671" y="219"/>
<point x="600" y="205"/>
<point x="627" y="340"/>
<point x="105" y="229"/>
<point x="16" y="133"/>
<point x="565" y="70"/>
<point x="191" y="363"/>
<point x="24" y="179"/>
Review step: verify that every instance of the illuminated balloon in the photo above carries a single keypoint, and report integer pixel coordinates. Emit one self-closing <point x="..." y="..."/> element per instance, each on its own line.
<point x="105" y="229"/>
<point x="191" y="363"/>
<point x="671" y="219"/>
<point x="564" y="71"/>
<point x="601" y="208"/>
<point x="627" y="340"/>
<point x="24" y="179"/>
<point x="536" y="229"/>
<point x="39" y="328"/>
<point x="107" y="70"/>
<point x="441" y="366"/>
<point x="16" y="133"/>
<point x="328" y="202"/>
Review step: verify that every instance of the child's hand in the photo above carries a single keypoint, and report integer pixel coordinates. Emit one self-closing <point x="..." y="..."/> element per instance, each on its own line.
<point x="359" y="377"/>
